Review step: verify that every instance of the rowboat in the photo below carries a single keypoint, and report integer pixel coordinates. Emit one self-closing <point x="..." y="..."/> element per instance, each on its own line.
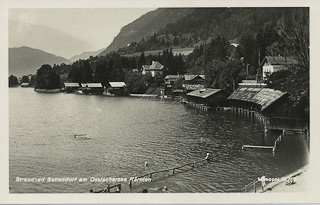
<point x="82" y="136"/>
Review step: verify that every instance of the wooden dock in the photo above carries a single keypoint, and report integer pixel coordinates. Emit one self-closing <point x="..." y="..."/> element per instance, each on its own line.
<point x="257" y="147"/>
<point x="274" y="147"/>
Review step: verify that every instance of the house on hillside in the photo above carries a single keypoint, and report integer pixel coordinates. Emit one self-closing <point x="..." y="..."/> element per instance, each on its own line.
<point x="193" y="82"/>
<point x="208" y="96"/>
<point x="71" y="87"/>
<point x="271" y="64"/>
<point x="153" y="69"/>
<point x="117" y="88"/>
<point x="92" y="88"/>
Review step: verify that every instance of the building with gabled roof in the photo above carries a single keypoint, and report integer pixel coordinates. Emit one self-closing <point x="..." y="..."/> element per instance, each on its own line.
<point x="193" y="82"/>
<point x="92" y="88"/>
<point x="260" y="100"/>
<point x="208" y="96"/>
<point x="271" y="64"/>
<point x="117" y="88"/>
<point x="71" y="87"/>
<point x="153" y="69"/>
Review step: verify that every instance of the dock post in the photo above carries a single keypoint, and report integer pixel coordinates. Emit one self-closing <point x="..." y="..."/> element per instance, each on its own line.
<point x="172" y="171"/>
<point x="192" y="165"/>
<point x="130" y="184"/>
<point x="150" y="175"/>
<point x="255" y="188"/>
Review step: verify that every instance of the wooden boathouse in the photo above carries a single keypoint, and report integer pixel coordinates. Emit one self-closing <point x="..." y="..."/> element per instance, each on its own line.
<point x="271" y="106"/>
<point x="71" y="87"/>
<point x="208" y="97"/>
<point x="92" y="88"/>
<point x="117" y="88"/>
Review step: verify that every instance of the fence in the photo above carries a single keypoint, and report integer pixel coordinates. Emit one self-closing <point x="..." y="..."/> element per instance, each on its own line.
<point x="117" y="187"/>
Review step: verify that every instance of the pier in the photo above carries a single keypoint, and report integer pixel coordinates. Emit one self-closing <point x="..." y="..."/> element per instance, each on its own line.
<point x="274" y="147"/>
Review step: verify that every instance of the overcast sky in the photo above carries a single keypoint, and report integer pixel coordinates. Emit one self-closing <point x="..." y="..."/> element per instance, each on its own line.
<point x="96" y="25"/>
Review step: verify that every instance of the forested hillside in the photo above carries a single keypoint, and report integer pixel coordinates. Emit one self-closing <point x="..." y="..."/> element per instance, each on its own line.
<point x="145" y="26"/>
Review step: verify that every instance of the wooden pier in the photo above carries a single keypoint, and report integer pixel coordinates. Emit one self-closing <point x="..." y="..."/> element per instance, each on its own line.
<point x="274" y="147"/>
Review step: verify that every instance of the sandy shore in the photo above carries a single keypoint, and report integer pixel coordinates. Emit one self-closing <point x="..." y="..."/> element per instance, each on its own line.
<point x="300" y="182"/>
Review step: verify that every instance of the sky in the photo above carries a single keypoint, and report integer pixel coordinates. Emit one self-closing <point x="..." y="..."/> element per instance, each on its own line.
<point x="98" y="26"/>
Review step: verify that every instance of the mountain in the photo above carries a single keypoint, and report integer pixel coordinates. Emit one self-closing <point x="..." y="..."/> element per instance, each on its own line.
<point x="47" y="39"/>
<point x="86" y="55"/>
<point x="191" y="27"/>
<point x="145" y="26"/>
<point x="25" y="60"/>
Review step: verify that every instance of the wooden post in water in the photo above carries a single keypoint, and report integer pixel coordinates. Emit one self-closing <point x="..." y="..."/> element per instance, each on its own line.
<point x="254" y="184"/>
<point x="130" y="184"/>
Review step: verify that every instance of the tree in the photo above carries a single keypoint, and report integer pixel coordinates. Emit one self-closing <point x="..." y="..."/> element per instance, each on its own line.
<point x="13" y="81"/>
<point x="294" y="33"/>
<point x="25" y="79"/>
<point x="135" y="82"/>
<point x="47" y="78"/>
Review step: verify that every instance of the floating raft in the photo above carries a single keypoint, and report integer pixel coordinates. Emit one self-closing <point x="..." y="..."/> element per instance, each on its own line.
<point x="257" y="147"/>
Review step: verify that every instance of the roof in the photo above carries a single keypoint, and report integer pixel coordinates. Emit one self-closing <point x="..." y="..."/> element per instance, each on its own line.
<point x="191" y="77"/>
<point x="154" y="66"/>
<point x="192" y="87"/>
<point x="204" y="93"/>
<point x="24" y="84"/>
<point x="279" y="60"/>
<point x="172" y="77"/>
<point x="91" y="85"/>
<point x="262" y="96"/>
<point x="71" y="84"/>
<point x="117" y="84"/>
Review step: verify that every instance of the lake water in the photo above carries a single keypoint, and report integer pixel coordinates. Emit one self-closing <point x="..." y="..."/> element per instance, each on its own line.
<point x="127" y="132"/>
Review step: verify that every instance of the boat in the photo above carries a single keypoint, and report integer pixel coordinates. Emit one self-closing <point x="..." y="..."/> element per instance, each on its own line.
<point x="82" y="136"/>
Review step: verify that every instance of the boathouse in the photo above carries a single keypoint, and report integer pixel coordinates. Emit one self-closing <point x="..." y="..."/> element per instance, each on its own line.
<point x="117" y="88"/>
<point x="208" y="96"/>
<point x="273" y="107"/>
<point x="193" y="82"/>
<point x="92" y="88"/>
<point x="71" y="87"/>
<point x="271" y="64"/>
<point x="153" y="69"/>
<point x="261" y="100"/>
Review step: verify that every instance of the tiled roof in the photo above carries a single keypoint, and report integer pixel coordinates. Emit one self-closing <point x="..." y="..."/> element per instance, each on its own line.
<point x="279" y="60"/>
<point x="172" y="77"/>
<point x="204" y="93"/>
<point x="117" y="84"/>
<point x="262" y="96"/>
<point x="191" y="77"/>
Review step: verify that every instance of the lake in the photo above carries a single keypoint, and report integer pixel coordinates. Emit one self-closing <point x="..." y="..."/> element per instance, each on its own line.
<point x="125" y="133"/>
